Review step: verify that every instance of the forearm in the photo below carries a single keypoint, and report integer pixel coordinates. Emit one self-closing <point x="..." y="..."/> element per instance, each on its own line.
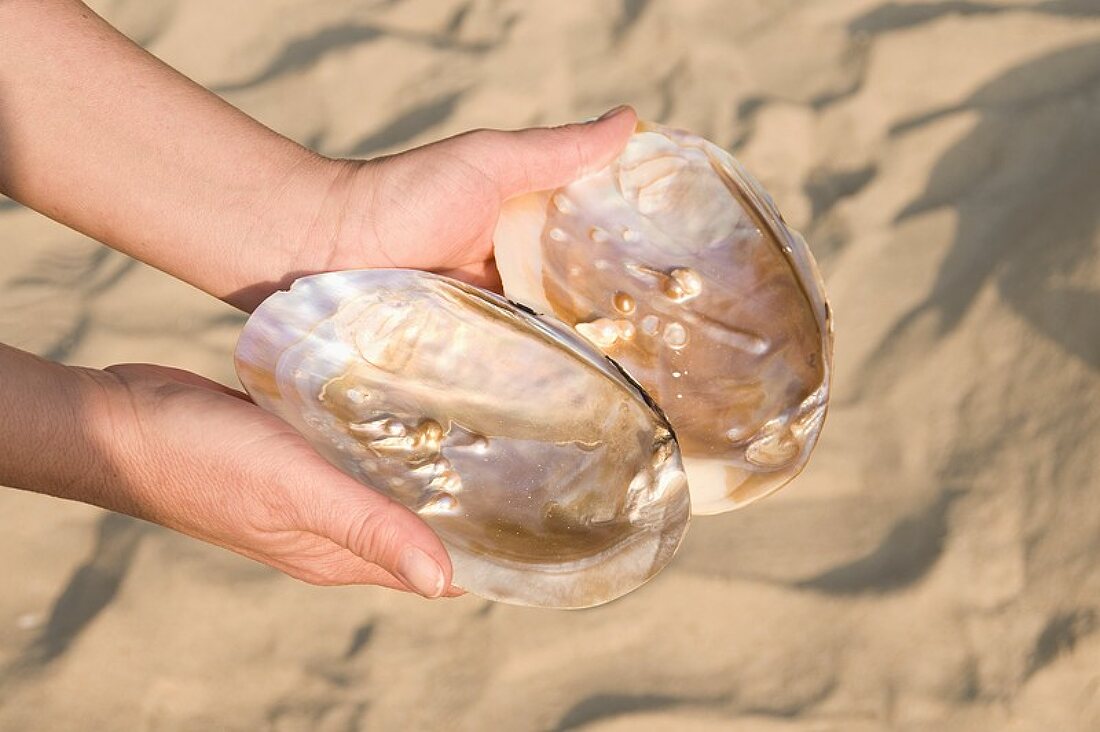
<point x="103" y="137"/>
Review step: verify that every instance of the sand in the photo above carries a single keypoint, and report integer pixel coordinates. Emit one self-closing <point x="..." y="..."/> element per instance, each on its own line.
<point x="937" y="567"/>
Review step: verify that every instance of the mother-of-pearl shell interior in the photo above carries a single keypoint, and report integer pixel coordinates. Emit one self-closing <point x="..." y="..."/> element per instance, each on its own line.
<point x="549" y="476"/>
<point x="676" y="263"/>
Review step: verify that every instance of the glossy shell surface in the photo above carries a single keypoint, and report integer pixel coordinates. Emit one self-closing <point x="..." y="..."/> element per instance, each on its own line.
<point x="675" y="262"/>
<point x="549" y="476"/>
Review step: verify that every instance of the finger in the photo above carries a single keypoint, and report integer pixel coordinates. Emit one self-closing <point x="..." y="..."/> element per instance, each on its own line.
<point x="540" y="158"/>
<point x="155" y="371"/>
<point x="365" y="573"/>
<point x="380" y="531"/>
<point x="353" y="570"/>
<point x="342" y="567"/>
<point x="481" y="274"/>
<point x="337" y="567"/>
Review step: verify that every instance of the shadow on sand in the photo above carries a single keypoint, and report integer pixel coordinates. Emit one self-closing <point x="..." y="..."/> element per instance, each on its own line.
<point x="1028" y="211"/>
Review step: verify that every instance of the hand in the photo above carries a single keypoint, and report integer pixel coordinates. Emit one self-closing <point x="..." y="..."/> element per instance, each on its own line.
<point x="435" y="207"/>
<point x="200" y="458"/>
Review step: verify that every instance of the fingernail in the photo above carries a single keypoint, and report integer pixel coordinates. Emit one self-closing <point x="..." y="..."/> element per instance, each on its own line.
<point x="610" y="113"/>
<point x="420" y="572"/>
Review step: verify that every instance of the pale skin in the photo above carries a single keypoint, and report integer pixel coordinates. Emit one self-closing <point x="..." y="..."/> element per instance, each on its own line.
<point x="103" y="137"/>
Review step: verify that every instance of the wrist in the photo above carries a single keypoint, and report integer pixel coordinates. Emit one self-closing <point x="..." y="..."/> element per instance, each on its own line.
<point x="295" y="226"/>
<point x="110" y="439"/>
<point x="55" y="419"/>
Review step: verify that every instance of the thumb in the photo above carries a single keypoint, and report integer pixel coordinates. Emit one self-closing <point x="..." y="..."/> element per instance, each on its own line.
<point x="169" y="373"/>
<point x="385" y="533"/>
<point x="540" y="158"/>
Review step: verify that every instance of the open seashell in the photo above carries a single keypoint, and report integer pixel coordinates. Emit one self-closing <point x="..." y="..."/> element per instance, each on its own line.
<point x="550" y="477"/>
<point x="675" y="262"/>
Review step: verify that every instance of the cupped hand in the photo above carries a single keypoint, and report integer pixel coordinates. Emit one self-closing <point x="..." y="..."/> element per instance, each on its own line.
<point x="435" y="207"/>
<point x="200" y="458"/>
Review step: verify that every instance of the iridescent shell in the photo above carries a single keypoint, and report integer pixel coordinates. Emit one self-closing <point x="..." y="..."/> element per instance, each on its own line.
<point x="676" y="263"/>
<point x="549" y="476"/>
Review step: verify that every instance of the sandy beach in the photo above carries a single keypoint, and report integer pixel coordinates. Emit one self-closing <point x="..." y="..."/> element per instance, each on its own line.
<point x="936" y="567"/>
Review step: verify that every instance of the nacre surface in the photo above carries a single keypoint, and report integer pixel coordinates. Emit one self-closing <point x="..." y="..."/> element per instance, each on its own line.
<point x="549" y="476"/>
<point x="675" y="262"/>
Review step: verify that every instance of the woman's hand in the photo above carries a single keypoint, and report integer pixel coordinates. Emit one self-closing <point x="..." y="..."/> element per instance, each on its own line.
<point x="435" y="207"/>
<point x="174" y="448"/>
<point x="200" y="458"/>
